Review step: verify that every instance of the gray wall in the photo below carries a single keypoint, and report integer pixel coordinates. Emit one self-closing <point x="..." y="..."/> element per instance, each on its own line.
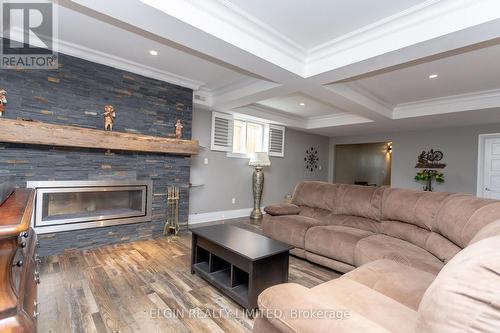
<point x="369" y="162"/>
<point x="459" y="145"/>
<point x="225" y="178"/>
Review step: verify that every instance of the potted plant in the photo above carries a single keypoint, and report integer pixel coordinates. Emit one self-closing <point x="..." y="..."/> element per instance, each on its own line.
<point x="428" y="176"/>
<point x="430" y="162"/>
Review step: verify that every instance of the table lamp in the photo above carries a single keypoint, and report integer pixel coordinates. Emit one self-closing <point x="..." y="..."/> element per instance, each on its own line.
<point x="258" y="161"/>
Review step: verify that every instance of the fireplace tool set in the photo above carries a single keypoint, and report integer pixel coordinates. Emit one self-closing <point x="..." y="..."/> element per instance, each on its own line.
<point x="172" y="224"/>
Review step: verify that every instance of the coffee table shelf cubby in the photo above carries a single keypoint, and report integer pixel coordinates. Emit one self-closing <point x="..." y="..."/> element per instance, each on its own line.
<point x="233" y="280"/>
<point x="238" y="262"/>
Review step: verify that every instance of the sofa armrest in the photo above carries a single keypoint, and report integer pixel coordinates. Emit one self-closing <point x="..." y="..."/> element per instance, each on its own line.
<point x="282" y="209"/>
<point x="292" y="308"/>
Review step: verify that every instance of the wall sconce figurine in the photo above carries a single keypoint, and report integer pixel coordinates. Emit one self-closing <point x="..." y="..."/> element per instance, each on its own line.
<point x="3" y="101"/>
<point x="109" y="117"/>
<point x="178" y="129"/>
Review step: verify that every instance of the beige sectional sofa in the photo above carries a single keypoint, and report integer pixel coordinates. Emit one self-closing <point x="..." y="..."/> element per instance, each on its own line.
<point x="414" y="261"/>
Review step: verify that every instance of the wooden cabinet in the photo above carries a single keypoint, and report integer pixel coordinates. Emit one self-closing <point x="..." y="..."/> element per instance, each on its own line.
<point x="19" y="274"/>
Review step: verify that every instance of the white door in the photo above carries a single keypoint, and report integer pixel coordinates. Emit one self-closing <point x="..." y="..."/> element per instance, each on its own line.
<point x="491" y="168"/>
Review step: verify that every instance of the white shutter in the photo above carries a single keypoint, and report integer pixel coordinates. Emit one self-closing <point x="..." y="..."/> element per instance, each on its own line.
<point x="276" y="141"/>
<point x="222" y="131"/>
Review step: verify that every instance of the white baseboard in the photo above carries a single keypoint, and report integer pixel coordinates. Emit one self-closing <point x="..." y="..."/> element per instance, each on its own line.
<point x="220" y="215"/>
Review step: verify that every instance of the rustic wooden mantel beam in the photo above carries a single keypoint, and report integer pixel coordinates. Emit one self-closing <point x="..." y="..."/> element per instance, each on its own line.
<point x="39" y="133"/>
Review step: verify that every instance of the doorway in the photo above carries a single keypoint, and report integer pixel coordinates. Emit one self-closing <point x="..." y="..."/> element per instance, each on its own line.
<point x="488" y="179"/>
<point x="363" y="164"/>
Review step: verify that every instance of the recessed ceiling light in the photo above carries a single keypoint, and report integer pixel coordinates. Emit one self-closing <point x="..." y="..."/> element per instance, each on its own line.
<point x="433" y="76"/>
<point x="153" y="52"/>
<point x="302" y="104"/>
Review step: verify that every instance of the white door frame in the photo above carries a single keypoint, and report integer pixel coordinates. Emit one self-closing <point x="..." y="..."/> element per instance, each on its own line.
<point x="480" y="160"/>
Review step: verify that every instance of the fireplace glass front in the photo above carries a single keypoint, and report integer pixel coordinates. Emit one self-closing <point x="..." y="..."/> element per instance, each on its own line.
<point x="60" y="208"/>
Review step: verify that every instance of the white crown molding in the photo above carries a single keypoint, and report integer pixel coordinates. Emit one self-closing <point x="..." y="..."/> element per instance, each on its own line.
<point x="225" y="22"/>
<point x="340" y="119"/>
<point x="246" y="90"/>
<point x="241" y="83"/>
<point x="127" y="65"/>
<point x="272" y="115"/>
<point x="374" y="30"/>
<point x="255" y="27"/>
<point x="114" y="61"/>
<point x="229" y="23"/>
<point x="424" y="22"/>
<point x="457" y="103"/>
<point x="298" y="122"/>
<point x="355" y="93"/>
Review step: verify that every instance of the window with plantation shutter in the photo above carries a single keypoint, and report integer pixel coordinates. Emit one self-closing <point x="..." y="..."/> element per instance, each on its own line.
<point x="276" y="141"/>
<point x="222" y="132"/>
<point x="240" y="136"/>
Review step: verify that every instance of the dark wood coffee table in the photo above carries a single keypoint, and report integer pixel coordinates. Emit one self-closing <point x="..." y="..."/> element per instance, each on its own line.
<point x="239" y="262"/>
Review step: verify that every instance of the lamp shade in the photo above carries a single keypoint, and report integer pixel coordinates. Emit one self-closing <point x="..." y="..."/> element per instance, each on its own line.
<point x="259" y="160"/>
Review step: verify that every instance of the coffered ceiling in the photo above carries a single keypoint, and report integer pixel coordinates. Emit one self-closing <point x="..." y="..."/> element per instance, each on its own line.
<point x="470" y="71"/>
<point x="310" y="23"/>
<point x="356" y="66"/>
<point x="96" y="39"/>
<point x="299" y="105"/>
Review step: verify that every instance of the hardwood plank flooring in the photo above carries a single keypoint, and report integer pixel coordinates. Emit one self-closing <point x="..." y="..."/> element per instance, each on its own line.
<point x="143" y="286"/>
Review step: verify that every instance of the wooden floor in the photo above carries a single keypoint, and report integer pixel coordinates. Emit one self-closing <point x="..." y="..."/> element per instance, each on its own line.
<point x="145" y="287"/>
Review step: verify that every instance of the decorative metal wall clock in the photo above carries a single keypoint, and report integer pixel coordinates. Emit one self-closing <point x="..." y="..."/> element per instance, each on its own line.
<point x="311" y="160"/>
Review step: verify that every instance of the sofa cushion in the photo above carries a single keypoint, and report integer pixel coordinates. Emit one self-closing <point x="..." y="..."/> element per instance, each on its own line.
<point x="330" y="218"/>
<point x="336" y="265"/>
<point x="316" y="194"/>
<point x="433" y="242"/>
<point x="316" y="213"/>
<point x="366" y="309"/>
<point x="375" y="306"/>
<point x="490" y="230"/>
<point x="411" y="206"/>
<point x="441" y="247"/>
<point x="377" y="247"/>
<point x="282" y="209"/>
<point x="402" y="283"/>
<point x="290" y="229"/>
<point x="364" y="201"/>
<point x="357" y="222"/>
<point x="334" y="241"/>
<point x="298" y="252"/>
<point x="465" y="296"/>
<point x="406" y="231"/>
<point x="462" y="216"/>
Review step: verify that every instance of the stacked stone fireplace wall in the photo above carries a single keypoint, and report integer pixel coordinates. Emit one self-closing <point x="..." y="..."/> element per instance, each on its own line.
<point x="76" y="94"/>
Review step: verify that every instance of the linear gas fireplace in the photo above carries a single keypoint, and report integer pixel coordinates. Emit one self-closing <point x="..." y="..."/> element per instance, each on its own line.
<point x="71" y="205"/>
